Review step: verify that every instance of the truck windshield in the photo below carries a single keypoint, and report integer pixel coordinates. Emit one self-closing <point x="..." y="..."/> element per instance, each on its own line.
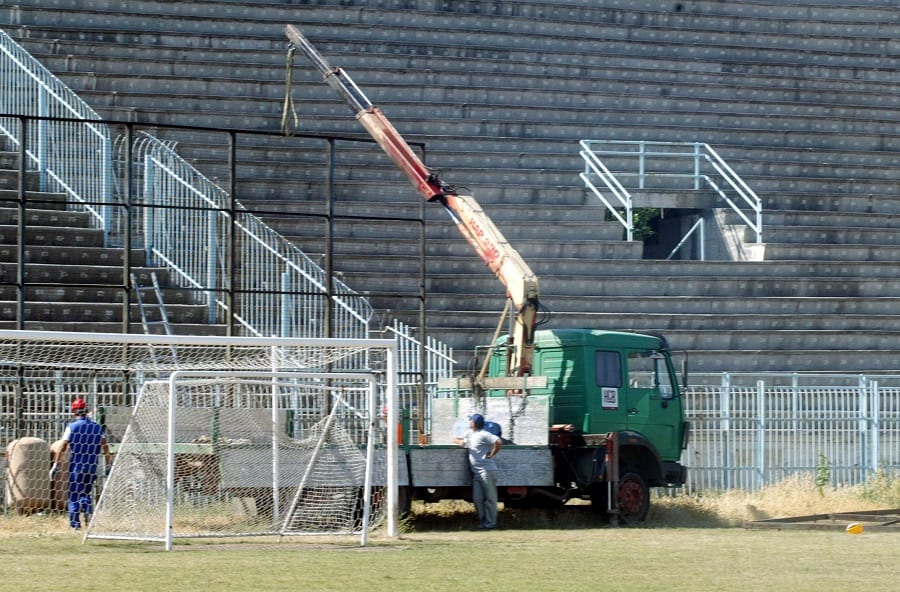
<point x="649" y="369"/>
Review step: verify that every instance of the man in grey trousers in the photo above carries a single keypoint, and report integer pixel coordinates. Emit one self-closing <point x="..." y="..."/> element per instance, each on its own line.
<point x="483" y="446"/>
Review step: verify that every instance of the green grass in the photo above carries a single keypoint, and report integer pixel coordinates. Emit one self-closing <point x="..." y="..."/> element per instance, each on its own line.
<point x="665" y="559"/>
<point x="691" y="543"/>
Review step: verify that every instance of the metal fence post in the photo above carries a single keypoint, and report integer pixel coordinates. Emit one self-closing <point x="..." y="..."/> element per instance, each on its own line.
<point x="863" y="425"/>
<point x="761" y="434"/>
<point x="212" y="256"/>
<point x="725" y="427"/>
<point x="875" y="405"/>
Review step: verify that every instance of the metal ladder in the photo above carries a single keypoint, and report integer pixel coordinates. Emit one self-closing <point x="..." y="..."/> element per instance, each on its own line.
<point x="146" y="305"/>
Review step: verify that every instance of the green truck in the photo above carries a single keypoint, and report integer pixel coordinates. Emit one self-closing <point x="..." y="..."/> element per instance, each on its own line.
<point x="608" y="418"/>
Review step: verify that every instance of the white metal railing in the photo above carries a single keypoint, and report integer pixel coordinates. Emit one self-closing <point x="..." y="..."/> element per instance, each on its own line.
<point x="417" y="384"/>
<point x="748" y="431"/>
<point x="700" y="228"/>
<point x="644" y="163"/>
<point x="184" y="221"/>
<point x="70" y="157"/>
<point x="594" y="167"/>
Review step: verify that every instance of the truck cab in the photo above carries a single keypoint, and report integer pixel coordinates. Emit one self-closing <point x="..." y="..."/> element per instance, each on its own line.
<point x="603" y="383"/>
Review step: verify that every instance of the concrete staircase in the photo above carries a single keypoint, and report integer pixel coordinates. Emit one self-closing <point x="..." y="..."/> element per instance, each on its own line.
<point x="74" y="283"/>
<point x="800" y="99"/>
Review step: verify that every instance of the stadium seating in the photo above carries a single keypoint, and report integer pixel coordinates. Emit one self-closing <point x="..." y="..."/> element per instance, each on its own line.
<point x="799" y="98"/>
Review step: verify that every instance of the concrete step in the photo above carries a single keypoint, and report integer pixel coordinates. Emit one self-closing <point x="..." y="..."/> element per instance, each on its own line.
<point x="434" y="215"/>
<point x="50" y="273"/>
<point x="41" y="217"/>
<point x="768" y="341"/>
<point x="535" y="152"/>
<point x="854" y="361"/>
<point x="63" y="255"/>
<point x="818" y="252"/>
<point x="348" y="249"/>
<point x="632" y="286"/>
<point x="558" y="230"/>
<point x="840" y="204"/>
<point x="823" y="219"/>
<point x="90" y="294"/>
<point x="112" y="327"/>
<point x="52" y="235"/>
<point x="544" y="261"/>
<point x="740" y="356"/>
<point x="701" y="323"/>
<point x="88" y="312"/>
<point x="9" y="181"/>
<point x="33" y="199"/>
<point x="488" y="194"/>
<point x="788" y="306"/>
<point x="834" y="236"/>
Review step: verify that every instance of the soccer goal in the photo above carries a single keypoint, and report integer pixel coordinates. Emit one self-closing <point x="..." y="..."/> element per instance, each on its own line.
<point x="237" y="436"/>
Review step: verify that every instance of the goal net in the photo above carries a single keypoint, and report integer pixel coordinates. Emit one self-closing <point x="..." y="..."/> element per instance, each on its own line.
<point x="237" y="437"/>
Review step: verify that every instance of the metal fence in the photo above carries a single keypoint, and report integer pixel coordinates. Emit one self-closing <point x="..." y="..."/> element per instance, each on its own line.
<point x="186" y="222"/>
<point x="750" y="431"/>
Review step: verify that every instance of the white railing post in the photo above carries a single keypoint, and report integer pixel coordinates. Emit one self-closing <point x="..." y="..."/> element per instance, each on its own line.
<point x="642" y="163"/>
<point x="698" y="146"/>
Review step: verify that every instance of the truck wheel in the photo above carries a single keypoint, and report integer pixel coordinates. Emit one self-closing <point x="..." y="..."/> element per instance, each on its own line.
<point x="634" y="497"/>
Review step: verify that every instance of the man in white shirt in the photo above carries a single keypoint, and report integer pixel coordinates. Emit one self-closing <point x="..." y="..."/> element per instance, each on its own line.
<point x="483" y="446"/>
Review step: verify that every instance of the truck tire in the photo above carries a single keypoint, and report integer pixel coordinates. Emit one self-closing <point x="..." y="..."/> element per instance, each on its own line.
<point x="634" y="497"/>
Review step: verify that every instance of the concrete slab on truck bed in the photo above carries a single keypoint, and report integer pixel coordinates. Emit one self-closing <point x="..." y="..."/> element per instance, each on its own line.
<point x="523" y="419"/>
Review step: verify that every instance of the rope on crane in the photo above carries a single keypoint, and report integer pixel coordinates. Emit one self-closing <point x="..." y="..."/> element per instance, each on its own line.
<point x="288" y="107"/>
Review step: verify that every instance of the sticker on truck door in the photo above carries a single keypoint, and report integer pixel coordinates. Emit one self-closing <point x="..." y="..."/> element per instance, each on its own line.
<point x="610" y="398"/>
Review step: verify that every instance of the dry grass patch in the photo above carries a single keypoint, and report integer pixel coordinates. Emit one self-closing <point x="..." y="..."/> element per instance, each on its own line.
<point x="796" y="496"/>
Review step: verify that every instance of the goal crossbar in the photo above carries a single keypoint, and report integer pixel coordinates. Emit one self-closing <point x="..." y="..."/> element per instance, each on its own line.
<point x="136" y="352"/>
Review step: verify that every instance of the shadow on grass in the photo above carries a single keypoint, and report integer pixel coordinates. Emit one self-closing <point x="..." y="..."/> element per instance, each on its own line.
<point x="450" y="516"/>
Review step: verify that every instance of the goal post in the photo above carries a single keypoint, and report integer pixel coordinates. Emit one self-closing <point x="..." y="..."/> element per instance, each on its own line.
<point x="237" y="436"/>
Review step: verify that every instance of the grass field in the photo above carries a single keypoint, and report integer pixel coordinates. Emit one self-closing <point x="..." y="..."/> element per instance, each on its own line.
<point x="690" y="543"/>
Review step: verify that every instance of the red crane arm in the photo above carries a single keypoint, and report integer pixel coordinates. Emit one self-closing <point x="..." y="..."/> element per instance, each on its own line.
<point x="471" y="220"/>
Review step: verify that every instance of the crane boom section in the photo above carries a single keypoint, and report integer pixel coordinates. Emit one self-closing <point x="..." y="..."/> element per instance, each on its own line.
<point x="471" y="220"/>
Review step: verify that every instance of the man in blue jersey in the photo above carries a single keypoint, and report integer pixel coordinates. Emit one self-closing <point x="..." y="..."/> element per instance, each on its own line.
<point x="84" y="438"/>
<point x="483" y="446"/>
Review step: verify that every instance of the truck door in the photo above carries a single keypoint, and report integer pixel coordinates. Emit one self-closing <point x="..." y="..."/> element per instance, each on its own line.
<point x="651" y="405"/>
<point x="606" y="405"/>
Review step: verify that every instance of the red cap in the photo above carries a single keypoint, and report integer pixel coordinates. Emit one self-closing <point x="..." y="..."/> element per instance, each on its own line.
<point x="78" y="405"/>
